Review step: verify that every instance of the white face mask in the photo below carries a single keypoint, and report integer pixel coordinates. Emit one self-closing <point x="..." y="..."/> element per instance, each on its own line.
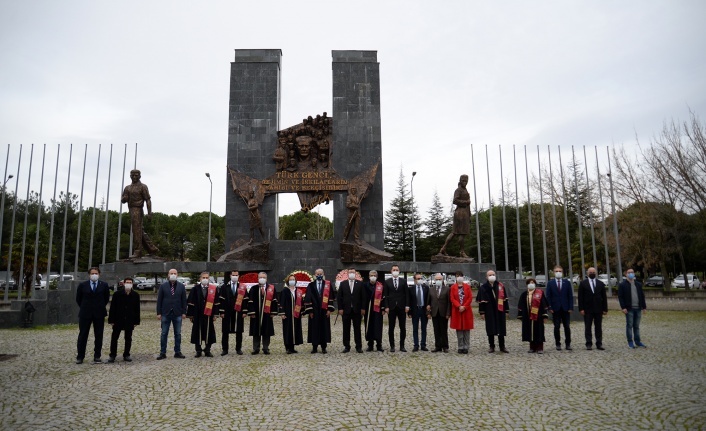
<point x="558" y="274"/>
<point x="234" y="278"/>
<point x="439" y="282"/>
<point x="491" y="278"/>
<point x="459" y="280"/>
<point x="262" y="280"/>
<point x="419" y="282"/>
<point x="94" y="277"/>
<point x="351" y="275"/>
<point x="292" y="283"/>
<point x="204" y="282"/>
<point x="373" y="279"/>
<point x="128" y="286"/>
<point x="531" y="286"/>
<point x="395" y="273"/>
<point x="172" y="277"/>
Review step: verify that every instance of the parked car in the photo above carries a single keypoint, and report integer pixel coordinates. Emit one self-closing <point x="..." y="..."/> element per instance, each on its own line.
<point x="541" y="280"/>
<point x="612" y="281"/>
<point x="576" y="280"/>
<point x="692" y="280"/>
<point x="655" y="281"/>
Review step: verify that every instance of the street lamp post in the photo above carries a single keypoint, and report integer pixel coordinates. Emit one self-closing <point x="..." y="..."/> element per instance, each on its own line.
<point x="414" y="245"/>
<point x="210" y="203"/>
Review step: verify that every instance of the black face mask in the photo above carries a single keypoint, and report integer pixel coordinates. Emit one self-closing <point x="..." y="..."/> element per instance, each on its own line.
<point x="591" y="276"/>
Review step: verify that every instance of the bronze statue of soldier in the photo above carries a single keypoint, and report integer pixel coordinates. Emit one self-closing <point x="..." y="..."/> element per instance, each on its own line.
<point x="255" y="219"/>
<point x="462" y="216"/>
<point x="353" y="205"/>
<point x="136" y="195"/>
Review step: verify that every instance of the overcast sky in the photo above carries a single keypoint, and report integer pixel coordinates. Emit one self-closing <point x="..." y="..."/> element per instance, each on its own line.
<point x="453" y="74"/>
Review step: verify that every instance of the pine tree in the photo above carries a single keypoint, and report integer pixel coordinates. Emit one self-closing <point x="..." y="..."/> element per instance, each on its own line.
<point x="398" y="223"/>
<point x="437" y="226"/>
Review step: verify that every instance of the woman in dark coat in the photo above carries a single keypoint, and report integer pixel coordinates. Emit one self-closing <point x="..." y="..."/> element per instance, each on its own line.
<point x="373" y="319"/>
<point x="290" y="308"/>
<point x="532" y="310"/>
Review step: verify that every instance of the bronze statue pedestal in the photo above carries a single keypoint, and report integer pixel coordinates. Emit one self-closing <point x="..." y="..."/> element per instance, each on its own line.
<point x="148" y="258"/>
<point x="257" y="252"/>
<point x="442" y="258"/>
<point x="363" y="253"/>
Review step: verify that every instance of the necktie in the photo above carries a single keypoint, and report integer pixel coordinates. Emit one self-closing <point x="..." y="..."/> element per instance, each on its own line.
<point x="593" y="287"/>
<point x="172" y="284"/>
<point x="395" y="280"/>
<point x="93" y="286"/>
<point x="352" y="283"/>
<point x="233" y="288"/>
<point x="419" y="295"/>
<point x="319" y="287"/>
<point x="438" y="291"/>
<point x="558" y="284"/>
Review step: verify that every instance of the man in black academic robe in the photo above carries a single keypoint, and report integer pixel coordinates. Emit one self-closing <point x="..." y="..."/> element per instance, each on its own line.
<point x="203" y="331"/>
<point x="124" y="315"/>
<point x="533" y="330"/>
<point x="232" y="321"/>
<point x="319" y="330"/>
<point x="490" y="305"/>
<point x="291" y="326"/>
<point x="373" y="319"/>
<point x="261" y="325"/>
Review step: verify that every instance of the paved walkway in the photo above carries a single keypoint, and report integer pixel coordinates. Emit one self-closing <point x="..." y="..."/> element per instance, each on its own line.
<point x="661" y="387"/>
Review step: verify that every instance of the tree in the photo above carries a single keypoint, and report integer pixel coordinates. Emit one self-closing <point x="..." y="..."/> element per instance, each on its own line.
<point x="311" y="224"/>
<point x="398" y="223"/>
<point x="437" y="227"/>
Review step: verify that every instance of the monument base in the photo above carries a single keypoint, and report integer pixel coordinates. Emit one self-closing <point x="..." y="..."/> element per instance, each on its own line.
<point x="442" y="258"/>
<point x="257" y="252"/>
<point x="144" y="259"/>
<point x="363" y="253"/>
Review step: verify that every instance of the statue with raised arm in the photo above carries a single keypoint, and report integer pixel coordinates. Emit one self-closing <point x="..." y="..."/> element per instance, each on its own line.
<point x="353" y="220"/>
<point x="462" y="217"/>
<point x="136" y="195"/>
<point x="255" y="219"/>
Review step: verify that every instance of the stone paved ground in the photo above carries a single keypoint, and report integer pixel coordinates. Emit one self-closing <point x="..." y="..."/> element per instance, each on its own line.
<point x="661" y="387"/>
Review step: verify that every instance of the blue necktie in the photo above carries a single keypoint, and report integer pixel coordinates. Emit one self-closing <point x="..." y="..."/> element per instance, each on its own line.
<point x="93" y="286"/>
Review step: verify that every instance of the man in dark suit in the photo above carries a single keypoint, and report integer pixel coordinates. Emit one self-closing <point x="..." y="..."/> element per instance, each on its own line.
<point x="124" y="315"/>
<point x="319" y="326"/>
<point x="396" y="306"/>
<point x="593" y="305"/>
<point x="92" y="297"/>
<point x="439" y="312"/>
<point x="560" y="294"/>
<point x="350" y="307"/>
<point x="419" y="307"/>
<point x="171" y="310"/>
<point x="232" y="321"/>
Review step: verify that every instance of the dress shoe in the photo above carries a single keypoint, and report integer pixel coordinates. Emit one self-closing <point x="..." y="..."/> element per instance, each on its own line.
<point x="436" y="350"/>
<point x="111" y="359"/>
<point x="392" y="349"/>
<point x="641" y="345"/>
<point x="289" y="352"/>
<point x="600" y="348"/>
<point x="161" y="356"/>
<point x="424" y="349"/>
<point x="631" y="345"/>
<point x="255" y="352"/>
<point x="568" y="347"/>
<point x="461" y="351"/>
<point x="266" y="351"/>
<point x="179" y="355"/>
<point x="446" y="350"/>
<point x="491" y="350"/>
<point x="323" y="350"/>
<point x="208" y="354"/>
<point x="346" y="350"/>
<point x="223" y="353"/>
<point x="415" y="349"/>
<point x="97" y="361"/>
<point x="79" y="361"/>
<point x="504" y="350"/>
<point x="197" y="355"/>
<point x="380" y="349"/>
<point x="540" y="352"/>
<point x="314" y="350"/>
<point x="294" y="351"/>
<point x="531" y="351"/>
<point x="127" y="359"/>
<point x="369" y="349"/>
<point x="359" y="349"/>
<point x="589" y="348"/>
<point x="558" y="347"/>
<point x="239" y="352"/>
<point x="402" y="349"/>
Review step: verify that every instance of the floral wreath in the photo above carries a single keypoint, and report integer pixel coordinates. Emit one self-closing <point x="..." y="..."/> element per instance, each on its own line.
<point x="303" y="278"/>
<point x="249" y="279"/>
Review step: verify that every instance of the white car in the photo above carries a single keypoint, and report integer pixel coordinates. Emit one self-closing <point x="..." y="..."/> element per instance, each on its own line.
<point x="678" y="283"/>
<point x="604" y="278"/>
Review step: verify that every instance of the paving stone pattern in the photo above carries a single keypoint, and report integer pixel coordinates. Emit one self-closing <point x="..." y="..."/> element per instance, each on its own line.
<point x="661" y="387"/>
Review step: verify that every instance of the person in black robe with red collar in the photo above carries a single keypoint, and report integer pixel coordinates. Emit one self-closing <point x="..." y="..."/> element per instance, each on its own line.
<point x="203" y="332"/>
<point x="261" y="325"/>
<point x="232" y="321"/>
<point x="373" y="319"/>
<point x="533" y="330"/>
<point x="291" y="325"/>
<point x="319" y="329"/>
<point x="494" y="310"/>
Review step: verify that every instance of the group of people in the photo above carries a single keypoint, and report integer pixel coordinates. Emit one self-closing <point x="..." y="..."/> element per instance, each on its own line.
<point x="361" y="306"/>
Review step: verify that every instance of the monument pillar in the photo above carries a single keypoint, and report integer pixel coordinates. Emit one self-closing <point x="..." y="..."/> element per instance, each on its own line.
<point x="356" y="137"/>
<point x="253" y="121"/>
